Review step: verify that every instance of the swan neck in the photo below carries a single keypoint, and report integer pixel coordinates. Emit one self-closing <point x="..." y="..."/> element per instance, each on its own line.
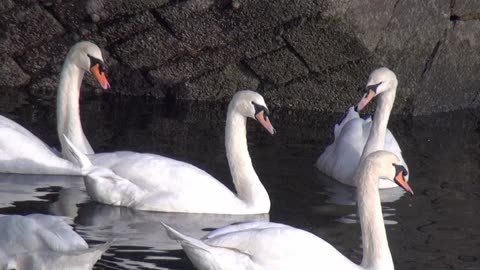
<point x="376" y="252"/>
<point x="247" y="184"/>
<point x="68" y="111"/>
<point x="376" y="138"/>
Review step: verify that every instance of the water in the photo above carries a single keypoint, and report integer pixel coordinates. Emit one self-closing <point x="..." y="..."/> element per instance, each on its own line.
<point x="438" y="228"/>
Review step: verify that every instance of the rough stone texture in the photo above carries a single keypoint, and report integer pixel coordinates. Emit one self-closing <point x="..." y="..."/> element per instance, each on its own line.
<point x="45" y="88"/>
<point x="196" y="63"/>
<point x="11" y="75"/>
<point x="25" y="28"/>
<point x="324" y="44"/>
<point x="369" y="18"/>
<point x="11" y="99"/>
<point x="128" y="81"/>
<point x="128" y="27"/>
<point x="40" y="58"/>
<point x="148" y="49"/>
<point x="332" y="91"/>
<point x="313" y="54"/>
<point x="453" y="81"/>
<point x="463" y="7"/>
<point x="108" y="9"/>
<point x="73" y="15"/>
<point x="410" y="42"/>
<point x="214" y="23"/>
<point x="6" y="5"/>
<point x="227" y="81"/>
<point x="278" y="67"/>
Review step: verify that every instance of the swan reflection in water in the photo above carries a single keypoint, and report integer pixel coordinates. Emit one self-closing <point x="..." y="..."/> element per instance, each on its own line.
<point x="345" y="196"/>
<point x="44" y="242"/>
<point x="138" y="238"/>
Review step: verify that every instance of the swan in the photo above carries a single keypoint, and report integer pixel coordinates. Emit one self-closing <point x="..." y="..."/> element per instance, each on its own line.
<point x="264" y="245"/>
<point x="24" y="153"/>
<point x="39" y="241"/>
<point x="355" y="138"/>
<point x="157" y="183"/>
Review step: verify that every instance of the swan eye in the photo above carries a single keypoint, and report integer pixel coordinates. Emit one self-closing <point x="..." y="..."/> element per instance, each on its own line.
<point x="400" y="168"/>
<point x="372" y="87"/>
<point x="258" y="108"/>
<point x="94" y="61"/>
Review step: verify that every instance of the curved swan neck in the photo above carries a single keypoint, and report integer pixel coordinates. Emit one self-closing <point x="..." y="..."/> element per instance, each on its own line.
<point x="376" y="138"/>
<point x="68" y="111"/>
<point x="376" y="253"/>
<point x="249" y="188"/>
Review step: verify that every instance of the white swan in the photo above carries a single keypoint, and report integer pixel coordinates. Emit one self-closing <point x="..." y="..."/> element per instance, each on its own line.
<point x="355" y="137"/>
<point x="263" y="245"/>
<point x="157" y="183"/>
<point x="22" y="152"/>
<point x="44" y="242"/>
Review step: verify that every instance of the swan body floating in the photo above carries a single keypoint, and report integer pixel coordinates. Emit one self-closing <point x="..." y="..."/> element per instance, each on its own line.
<point x="24" y="153"/>
<point x="37" y="242"/>
<point x="355" y="137"/>
<point x="157" y="183"/>
<point x="264" y="245"/>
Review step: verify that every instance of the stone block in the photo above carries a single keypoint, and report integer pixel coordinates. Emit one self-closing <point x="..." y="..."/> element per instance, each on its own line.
<point x="410" y="43"/>
<point x="148" y="49"/>
<point x="221" y="85"/>
<point x="48" y="57"/>
<point x="6" y="5"/>
<point x="208" y="60"/>
<point x="324" y="44"/>
<point x="331" y="91"/>
<point x="463" y="7"/>
<point x="278" y="67"/>
<point x="44" y="88"/>
<point x="11" y="99"/>
<point x="25" y="28"/>
<point x="130" y="26"/>
<point x="108" y="9"/>
<point x="127" y="81"/>
<point x="209" y="24"/>
<point x="453" y="80"/>
<point x="368" y="18"/>
<point x="11" y="75"/>
<point x="73" y="15"/>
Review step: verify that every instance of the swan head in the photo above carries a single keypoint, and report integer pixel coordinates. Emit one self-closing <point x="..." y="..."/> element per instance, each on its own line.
<point x="88" y="57"/>
<point x="380" y="80"/>
<point x="251" y="104"/>
<point x="389" y="167"/>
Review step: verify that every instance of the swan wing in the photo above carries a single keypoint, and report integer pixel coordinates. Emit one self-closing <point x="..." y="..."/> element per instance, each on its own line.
<point x="340" y="159"/>
<point x="156" y="183"/>
<point x="147" y="170"/>
<point x="242" y="227"/>
<point x="22" y="152"/>
<point x="265" y="247"/>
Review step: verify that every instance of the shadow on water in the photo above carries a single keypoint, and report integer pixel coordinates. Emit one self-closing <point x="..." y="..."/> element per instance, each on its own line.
<point x="438" y="228"/>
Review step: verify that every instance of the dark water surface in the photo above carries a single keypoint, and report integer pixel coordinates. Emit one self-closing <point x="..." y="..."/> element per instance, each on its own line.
<point x="438" y="228"/>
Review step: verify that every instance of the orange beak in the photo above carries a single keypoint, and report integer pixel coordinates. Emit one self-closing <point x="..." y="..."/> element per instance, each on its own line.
<point x="365" y="100"/>
<point x="101" y="77"/>
<point x="265" y="122"/>
<point x="400" y="180"/>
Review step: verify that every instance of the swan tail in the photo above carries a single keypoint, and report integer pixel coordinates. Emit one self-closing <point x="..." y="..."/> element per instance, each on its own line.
<point x="75" y="155"/>
<point x="185" y="240"/>
<point x="205" y="256"/>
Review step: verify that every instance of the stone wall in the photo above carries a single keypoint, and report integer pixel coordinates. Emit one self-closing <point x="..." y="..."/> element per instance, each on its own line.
<point x="303" y="54"/>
